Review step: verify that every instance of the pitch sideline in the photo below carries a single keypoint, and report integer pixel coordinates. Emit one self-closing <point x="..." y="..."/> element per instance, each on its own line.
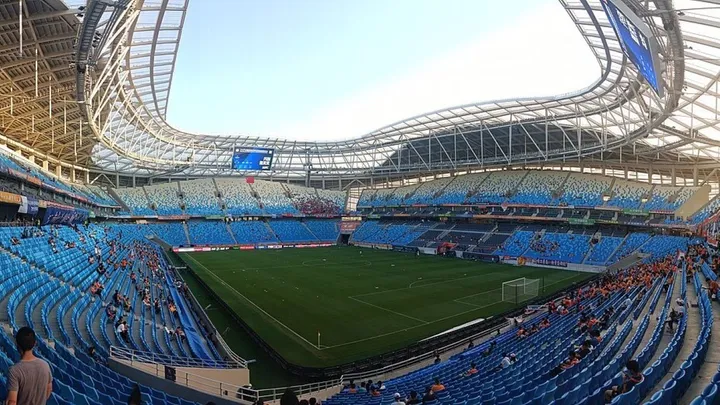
<point x="476" y="307"/>
<point x="354" y="298"/>
<point x="216" y="277"/>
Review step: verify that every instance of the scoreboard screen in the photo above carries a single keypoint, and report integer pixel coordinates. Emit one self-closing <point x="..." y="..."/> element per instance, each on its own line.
<point x="252" y="158"/>
<point x="636" y="41"/>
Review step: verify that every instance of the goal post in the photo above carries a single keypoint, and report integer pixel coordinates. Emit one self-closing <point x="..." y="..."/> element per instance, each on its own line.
<point x="520" y="290"/>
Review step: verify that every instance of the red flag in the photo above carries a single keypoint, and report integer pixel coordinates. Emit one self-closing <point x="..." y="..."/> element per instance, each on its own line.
<point x="250" y="180"/>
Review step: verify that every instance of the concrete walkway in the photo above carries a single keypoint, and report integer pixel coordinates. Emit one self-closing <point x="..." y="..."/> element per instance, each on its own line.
<point x="712" y="358"/>
<point x="692" y="332"/>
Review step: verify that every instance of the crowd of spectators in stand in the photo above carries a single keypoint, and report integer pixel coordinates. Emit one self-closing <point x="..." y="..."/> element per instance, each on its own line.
<point x="413" y="397"/>
<point x="541" y="246"/>
<point x="589" y="323"/>
<point x="317" y="206"/>
<point x="151" y="275"/>
<point x="641" y="275"/>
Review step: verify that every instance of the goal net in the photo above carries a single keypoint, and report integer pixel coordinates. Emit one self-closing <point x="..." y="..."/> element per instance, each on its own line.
<point x="520" y="290"/>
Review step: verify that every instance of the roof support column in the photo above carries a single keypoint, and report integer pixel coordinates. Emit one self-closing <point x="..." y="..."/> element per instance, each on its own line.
<point x="695" y="176"/>
<point x="482" y="146"/>
<point x="510" y="141"/>
<point x="673" y="177"/>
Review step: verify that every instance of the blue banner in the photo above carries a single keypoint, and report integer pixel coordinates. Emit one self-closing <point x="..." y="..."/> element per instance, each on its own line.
<point x="61" y="215"/>
<point x="194" y="337"/>
<point x="32" y="206"/>
<point x="28" y="205"/>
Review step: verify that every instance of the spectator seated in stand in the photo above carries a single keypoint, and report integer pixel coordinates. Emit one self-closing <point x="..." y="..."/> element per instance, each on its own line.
<point x="632" y="376"/>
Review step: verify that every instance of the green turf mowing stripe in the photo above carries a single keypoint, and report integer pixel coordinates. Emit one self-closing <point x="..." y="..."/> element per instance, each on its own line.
<point x="364" y="302"/>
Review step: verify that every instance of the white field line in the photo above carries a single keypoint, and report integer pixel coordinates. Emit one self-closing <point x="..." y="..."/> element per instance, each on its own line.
<point x="475" y="308"/>
<point x="314" y="346"/>
<point x="354" y="298"/>
<point x="405" y="329"/>
<point x="306" y="263"/>
<point x="500" y="289"/>
<point x="388" y="310"/>
<point x="425" y="285"/>
<point x="420" y="281"/>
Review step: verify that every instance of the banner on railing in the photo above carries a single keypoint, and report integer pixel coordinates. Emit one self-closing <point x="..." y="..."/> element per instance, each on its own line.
<point x="310" y="245"/>
<point x="548" y="262"/>
<point x="347" y="227"/>
<point x="522" y="261"/>
<point x="57" y="214"/>
<point x="23" y="208"/>
<point x="635" y="211"/>
<point x="581" y="221"/>
<point x="381" y="246"/>
<point x="189" y="249"/>
<point x="173" y="217"/>
<point x="9" y="198"/>
<point x="28" y="205"/>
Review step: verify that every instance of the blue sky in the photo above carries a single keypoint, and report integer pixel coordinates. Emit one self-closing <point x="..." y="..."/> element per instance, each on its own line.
<point x="335" y="69"/>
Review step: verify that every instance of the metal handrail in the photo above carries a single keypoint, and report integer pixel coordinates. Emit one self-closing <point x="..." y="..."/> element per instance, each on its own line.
<point x="176" y="361"/>
<point x="231" y="354"/>
<point x="271" y="394"/>
<point x="190" y="380"/>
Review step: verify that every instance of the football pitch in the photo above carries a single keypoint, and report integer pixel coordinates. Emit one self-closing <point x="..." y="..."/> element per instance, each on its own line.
<point x="362" y="302"/>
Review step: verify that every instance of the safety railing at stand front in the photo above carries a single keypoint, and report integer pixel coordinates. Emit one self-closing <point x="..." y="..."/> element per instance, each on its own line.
<point x="152" y="363"/>
<point x="271" y="394"/>
<point x="174" y="361"/>
<point x="231" y="354"/>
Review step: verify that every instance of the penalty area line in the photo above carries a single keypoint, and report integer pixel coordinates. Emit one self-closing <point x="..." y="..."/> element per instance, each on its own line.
<point x="389" y="310"/>
<point x="475" y="308"/>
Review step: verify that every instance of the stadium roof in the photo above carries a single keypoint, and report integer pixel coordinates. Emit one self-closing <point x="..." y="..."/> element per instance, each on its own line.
<point x="615" y="122"/>
<point x="37" y="88"/>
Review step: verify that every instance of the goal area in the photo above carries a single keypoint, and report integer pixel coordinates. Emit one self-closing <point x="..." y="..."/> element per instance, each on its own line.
<point x="520" y="290"/>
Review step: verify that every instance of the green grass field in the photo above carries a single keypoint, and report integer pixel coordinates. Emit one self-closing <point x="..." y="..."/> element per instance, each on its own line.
<point x="363" y="302"/>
